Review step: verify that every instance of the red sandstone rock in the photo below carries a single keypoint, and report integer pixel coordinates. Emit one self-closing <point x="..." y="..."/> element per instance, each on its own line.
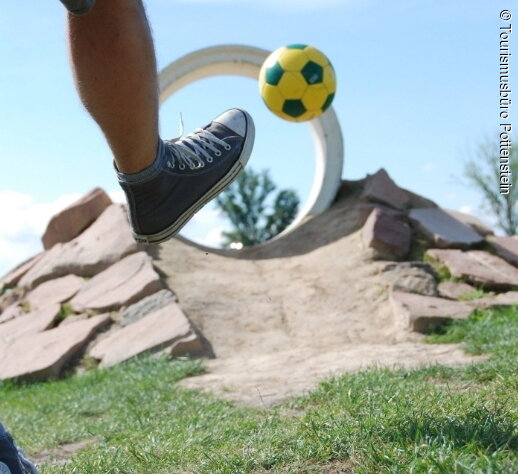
<point x="30" y="323"/>
<point x="476" y="224"/>
<point x="122" y="284"/>
<point x="423" y="313"/>
<point x="41" y="356"/>
<point x="164" y="327"/>
<point x="365" y="210"/>
<point x="506" y="247"/>
<point x="105" y="242"/>
<point x="54" y="291"/>
<point x="410" y="277"/>
<point x="388" y="237"/>
<point x="478" y="267"/>
<point x="453" y="290"/>
<point x="73" y="220"/>
<point x="381" y="188"/>
<point x="443" y="229"/>
<point x="509" y="298"/>
<point x="14" y="276"/>
<point x="11" y="312"/>
<point x="189" y="344"/>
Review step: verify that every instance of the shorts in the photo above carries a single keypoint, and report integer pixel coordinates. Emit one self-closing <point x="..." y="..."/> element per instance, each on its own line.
<point x="78" y="7"/>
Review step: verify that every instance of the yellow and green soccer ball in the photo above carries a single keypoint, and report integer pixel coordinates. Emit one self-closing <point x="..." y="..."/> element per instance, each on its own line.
<point x="297" y="82"/>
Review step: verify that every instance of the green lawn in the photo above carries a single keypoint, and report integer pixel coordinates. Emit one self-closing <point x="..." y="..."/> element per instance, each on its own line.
<point x="436" y="419"/>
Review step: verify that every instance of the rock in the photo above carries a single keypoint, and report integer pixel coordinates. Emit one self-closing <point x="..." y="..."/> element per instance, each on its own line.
<point x="417" y="201"/>
<point x="73" y="318"/>
<point x="145" y="306"/>
<point x="453" y="290"/>
<point x="105" y="242"/>
<point x="506" y="299"/>
<point x="381" y="188"/>
<point x="411" y="277"/>
<point x="478" y="267"/>
<point x="365" y="209"/>
<point x="10" y="297"/>
<point x="73" y="220"/>
<point x="161" y="328"/>
<point x="30" y="323"/>
<point x="443" y="229"/>
<point x="395" y="266"/>
<point x="509" y="298"/>
<point x="424" y="313"/>
<point x="189" y="344"/>
<point x="41" y="356"/>
<point x="13" y="277"/>
<point x="476" y="224"/>
<point x="506" y="247"/>
<point x="54" y="291"/>
<point x="387" y="236"/>
<point x="11" y="312"/>
<point x="122" y="284"/>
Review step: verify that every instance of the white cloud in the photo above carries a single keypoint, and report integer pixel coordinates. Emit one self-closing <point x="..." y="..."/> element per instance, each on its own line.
<point x="487" y="218"/>
<point x="117" y="196"/>
<point x="450" y="196"/>
<point x="467" y="209"/>
<point x="213" y="237"/>
<point x="23" y="216"/>
<point x="206" y="227"/>
<point x="427" y="167"/>
<point x="23" y="222"/>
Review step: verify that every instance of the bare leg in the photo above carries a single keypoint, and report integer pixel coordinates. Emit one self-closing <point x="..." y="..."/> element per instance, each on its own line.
<point x="114" y="67"/>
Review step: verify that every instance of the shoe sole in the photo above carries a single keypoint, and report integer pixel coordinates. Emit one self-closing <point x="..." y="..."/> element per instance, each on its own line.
<point x="224" y="182"/>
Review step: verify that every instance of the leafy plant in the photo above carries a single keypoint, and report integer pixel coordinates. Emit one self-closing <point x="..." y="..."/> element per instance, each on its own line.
<point x="484" y="171"/>
<point x="256" y="215"/>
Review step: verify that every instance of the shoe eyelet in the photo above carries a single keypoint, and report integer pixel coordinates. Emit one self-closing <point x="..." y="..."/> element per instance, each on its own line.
<point x="228" y="147"/>
<point x="182" y="167"/>
<point x="217" y="153"/>
<point x="210" y="159"/>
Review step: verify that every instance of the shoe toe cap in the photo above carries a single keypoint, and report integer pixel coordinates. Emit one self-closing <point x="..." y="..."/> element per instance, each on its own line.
<point x="235" y="120"/>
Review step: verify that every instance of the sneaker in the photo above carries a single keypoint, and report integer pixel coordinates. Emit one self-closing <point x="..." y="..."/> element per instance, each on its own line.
<point x="12" y="459"/>
<point x="187" y="173"/>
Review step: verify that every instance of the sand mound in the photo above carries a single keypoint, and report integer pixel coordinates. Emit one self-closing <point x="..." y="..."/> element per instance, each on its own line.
<point x="280" y="316"/>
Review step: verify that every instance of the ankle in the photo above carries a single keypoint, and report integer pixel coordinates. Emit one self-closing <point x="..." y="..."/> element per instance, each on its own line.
<point x="138" y="163"/>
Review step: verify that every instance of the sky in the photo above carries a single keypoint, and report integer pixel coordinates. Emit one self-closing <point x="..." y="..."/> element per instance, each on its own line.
<point x="417" y="92"/>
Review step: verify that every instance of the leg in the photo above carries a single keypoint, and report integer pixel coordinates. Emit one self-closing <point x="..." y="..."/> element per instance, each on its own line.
<point x="114" y="68"/>
<point x="166" y="182"/>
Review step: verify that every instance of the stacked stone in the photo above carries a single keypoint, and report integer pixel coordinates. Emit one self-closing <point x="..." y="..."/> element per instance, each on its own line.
<point x="92" y="292"/>
<point x="393" y="219"/>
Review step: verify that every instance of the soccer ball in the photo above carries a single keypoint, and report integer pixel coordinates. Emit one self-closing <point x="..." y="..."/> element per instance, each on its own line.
<point x="297" y="82"/>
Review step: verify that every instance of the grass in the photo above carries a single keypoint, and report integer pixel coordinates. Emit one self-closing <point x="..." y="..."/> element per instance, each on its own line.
<point x="442" y="272"/>
<point x="4" y="287"/>
<point x="476" y="294"/>
<point x="65" y="311"/>
<point x="431" y="420"/>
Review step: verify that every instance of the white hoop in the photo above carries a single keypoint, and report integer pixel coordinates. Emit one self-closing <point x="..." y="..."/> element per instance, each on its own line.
<point x="246" y="61"/>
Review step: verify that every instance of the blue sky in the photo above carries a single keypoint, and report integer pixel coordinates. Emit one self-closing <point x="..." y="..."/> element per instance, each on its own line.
<point x="417" y="90"/>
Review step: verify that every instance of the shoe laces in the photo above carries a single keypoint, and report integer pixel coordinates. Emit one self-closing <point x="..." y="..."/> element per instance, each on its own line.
<point x="192" y="150"/>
